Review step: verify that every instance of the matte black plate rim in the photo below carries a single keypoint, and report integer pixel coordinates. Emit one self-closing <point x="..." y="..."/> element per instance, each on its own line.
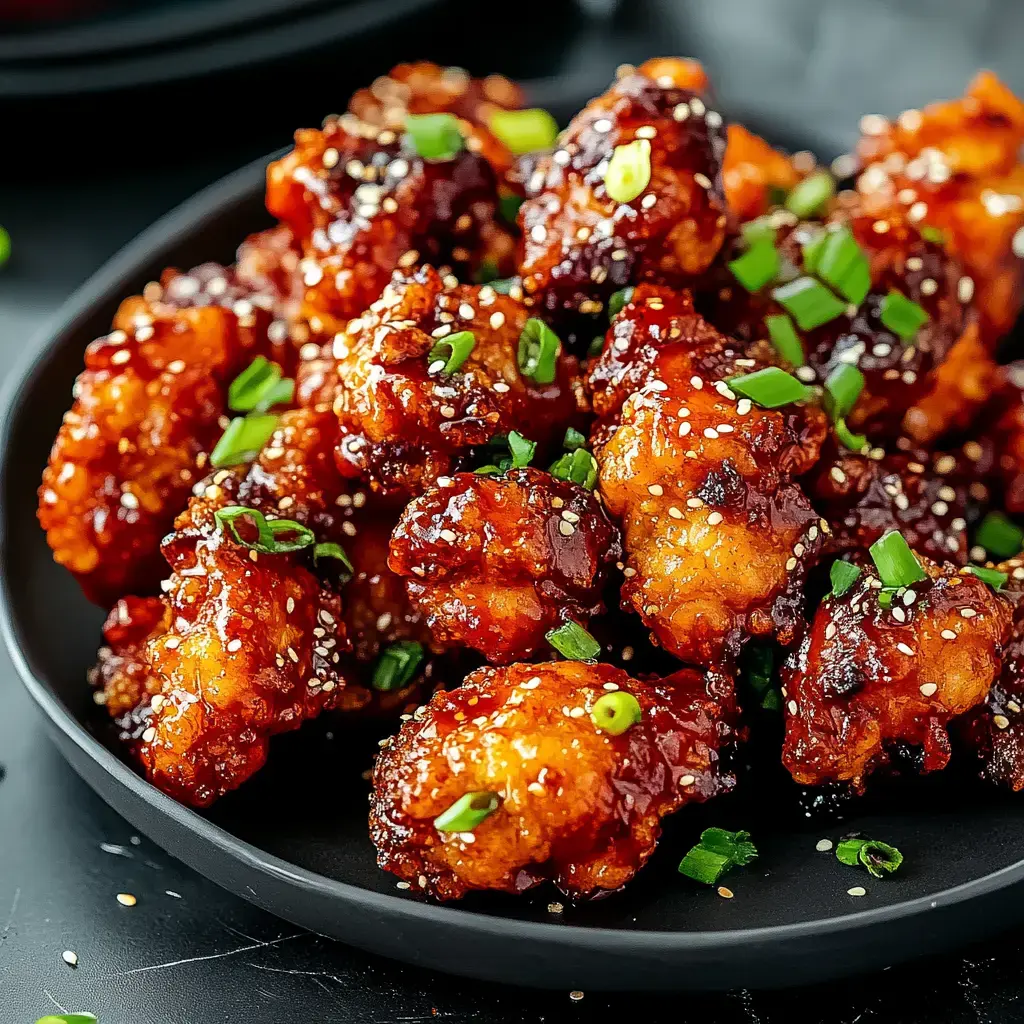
<point x="101" y="288"/>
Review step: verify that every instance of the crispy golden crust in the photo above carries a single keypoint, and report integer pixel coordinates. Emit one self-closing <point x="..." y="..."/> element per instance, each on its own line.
<point x="404" y="421"/>
<point x="718" y="538"/>
<point x="578" y="805"/>
<point x="494" y="563"/>
<point x="579" y="244"/>
<point x="866" y="678"/>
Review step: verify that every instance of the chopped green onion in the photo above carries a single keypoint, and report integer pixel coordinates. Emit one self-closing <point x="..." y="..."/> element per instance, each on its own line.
<point x="897" y="565"/>
<point x="758" y="266"/>
<point x="434" y="136"/>
<point x="247" y="390"/>
<point x="617" y="302"/>
<point x="999" y="536"/>
<point x="843" y="264"/>
<point x="396" y="665"/>
<point x="486" y="272"/>
<point x="267" y="530"/>
<point x="539" y="349"/>
<point x="522" y="449"/>
<point x="811" y="194"/>
<point x="504" y="285"/>
<point x="524" y="131"/>
<point x="935" y="235"/>
<point x="843" y="576"/>
<point x="243" y="439"/>
<point x="68" y="1018"/>
<point x="903" y="317"/>
<point x="770" y="387"/>
<point x="328" y="549"/>
<point x="995" y="579"/>
<point x="573" y="439"/>
<point x="812" y="250"/>
<point x="281" y="393"/>
<point x="467" y="812"/>
<point x="847" y="438"/>
<point x="452" y="351"/>
<point x="614" y="713"/>
<point x="879" y="858"/>
<point x="785" y="339"/>
<point x="508" y="207"/>
<point x="629" y="171"/>
<point x="842" y="389"/>
<point x="809" y="302"/>
<point x="758" y="230"/>
<point x="772" y="700"/>
<point x="886" y="595"/>
<point x="759" y="672"/>
<point x="5" y="246"/>
<point x="572" y="641"/>
<point x="717" y="851"/>
<point x="579" y="467"/>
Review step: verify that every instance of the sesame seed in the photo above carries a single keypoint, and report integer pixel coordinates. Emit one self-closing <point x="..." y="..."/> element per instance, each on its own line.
<point x="830" y="630"/>
<point x="965" y="289"/>
<point x="126" y="899"/>
<point x="703" y="180"/>
<point x="681" y="111"/>
<point x="694" y="503"/>
<point x="1000" y="721"/>
<point x="566" y="529"/>
<point x="906" y="649"/>
<point x="927" y="689"/>
<point x="70" y="957"/>
<point x="725" y="893"/>
<point x="968" y="613"/>
<point x="929" y="286"/>
<point x="538" y="233"/>
<point x="823" y="845"/>
<point x="715" y="518"/>
<point x="235" y="645"/>
<point x="687" y="780"/>
<point x="674" y="512"/>
<point x="696" y="382"/>
<point x="656" y="489"/>
<point x="948" y="634"/>
<point x="149" y="735"/>
<point x="857" y="890"/>
<point x="805" y="373"/>
<point x="793" y="707"/>
<point x="697" y="106"/>
<point x="447" y="535"/>
<point x="791" y="564"/>
<point x="710" y="433"/>
<point x="576" y="995"/>
<point x="555" y="908"/>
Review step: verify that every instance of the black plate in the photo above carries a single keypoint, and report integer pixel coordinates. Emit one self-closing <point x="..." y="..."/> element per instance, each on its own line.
<point x="294" y="840"/>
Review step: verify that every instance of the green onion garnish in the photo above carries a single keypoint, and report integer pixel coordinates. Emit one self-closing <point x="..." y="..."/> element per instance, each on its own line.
<point x="995" y="579"/>
<point x="249" y="389"/>
<point x="68" y="1018"/>
<point x="486" y="272"/>
<point x="717" y="852"/>
<point x="903" y="317"/>
<point x="842" y="389"/>
<point x="1000" y="536"/>
<point x="595" y="347"/>
<point x="539" y="349"/>
<point x="785" y="339"/>
<point x="467" y="812"/>
<point x="770" y="387"/>
<point x="617" y="302"/>
<point x="879" y="858"/>
<point x="759" y="672"/>
<point x="758" y="230"/>
<point x="434" y="136"/>
<point x="524" y="131"/>
<point x="629" y="171"/>
<point x="504" y="285"/>
<point x="812" y="250"/>
<point x="930" y="234"/>
<point x="843" y="264"/>
<point x="267" y="530"/>
<point x="522" y="449"/>
<point x="396" y="665"/>
<point x="758" y="266"/>
<point x="843" y="576"/>
<point x="451" y="351"/>
<point x="811" y="194"/>
<point x="897" y="565"/>
<point x="5" y="246"/>
<point x="572" y="641"/>
<point x="573" y="440"/>
<point x="614" y="713"/>
<point x="809" y="302"/>
<point x="328" y="549"/>
<point x="847" y="438"/>
<point x="243" y="439"/>
<point x="579" y="467"/>
<point x="508" y="207"/>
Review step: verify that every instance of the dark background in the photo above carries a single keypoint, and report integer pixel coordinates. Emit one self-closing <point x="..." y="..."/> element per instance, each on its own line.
<point x="82" y="171"/>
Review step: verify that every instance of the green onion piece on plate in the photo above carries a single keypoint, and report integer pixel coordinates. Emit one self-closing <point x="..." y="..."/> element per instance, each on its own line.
<point x="451" y="352"/>
<point x="617" y="302"/>
<point x="522" y="449"/>
<point x="717" y="851"/>
<point x="1000" y="536"/>
<point x="539" y="349"/>
<point x="329" y="549"/>
<point x="843" y="264"/>
<point x="758" y="266"/>
<point x="934" y="235"/>
<point x="5" y="246"/>
<point x="843" y="576"/>
<point x="847" y="438"/>
<point x="770" y="387"/>
<point x="993" y="577"/>
<point x="250" y="387"/>
<point x="524" y="131"/>
<point x="758" y="230"/>
<point x="504" y="285"/>
<point x="573" y="440"/>
<point x="809" y="302"/>
<point x="842" y="389"/>
<point x="467" y="812"/>
<point x="903" y="317"/>
<point x="629" y="171"/>
<point x="579" y="467"/>
<point x="243" y="439"/>
<point x="616" y="712"/>
<point x="68" y="1018"/>
<point x="508" y="207"/>
<point x="268" y="530"/>
<point x="878" y="858"/>
<point x="897" y="565"/>
<point x="812" y="250"/>
<point x="396" y="665"/>
<point x="785" y="339"/>
<point x="572" y="641"/>
<point x="811" y="194"/>
<point x="434" y="136"/>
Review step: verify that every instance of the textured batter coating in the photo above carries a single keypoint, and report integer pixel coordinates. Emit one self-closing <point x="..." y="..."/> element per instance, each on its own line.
<point x="868" y="678"/>
<point x="577" y="805"/>
<point x="718" y="538"/>
<point x="404" y="420"/>
<point x="495" y="562"/>
<point x="580" y="245"/>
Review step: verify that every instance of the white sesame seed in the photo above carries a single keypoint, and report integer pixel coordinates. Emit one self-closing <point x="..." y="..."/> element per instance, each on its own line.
<point x="948" y="634"/>
<point x="566" y="529"/>
<point x="694" y="503"/>
<point x="830" y="630"/>
<point x="687" y="780"/>
<point x="538" y="233"/>
<point x="70" y="957"/>
<point x="715" y="518"/>
<point x="823" y="845"/>
<point x="697" y="106"/>
<point x="710" y="433"/>
<point x="1000" y="721"/>
<point x="793" y="707"/>
<point x="857" y="890"/>
<point x="447" y="535"/>
<point x="656" y="489"/>
<point x="927" y="689"/>
<point x="696" y="382"/>
<point x="968" y="613"/>
<point x="906" y="649"/>
<point x="703" y="180"/>
<point x="126" y="899"/>
<point x="235" y="645"/>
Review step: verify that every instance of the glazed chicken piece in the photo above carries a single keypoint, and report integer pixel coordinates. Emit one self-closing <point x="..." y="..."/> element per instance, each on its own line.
<point x="572" y="803"/>
<point x="718" y="537"/>
<point x="361" y="203"/>
<point x="752" y="171"/>
<point x="404" y="420"/>
<point x="868" y="680"/>
<point x="1001" y="437"/>
<point x="495" y="562"/>
<point x="956" y="167"/>
<point x="580" y="245"/>
<point x="147" y="409"/>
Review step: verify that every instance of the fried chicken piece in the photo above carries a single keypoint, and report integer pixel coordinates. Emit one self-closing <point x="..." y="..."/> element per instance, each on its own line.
<point x="495" y="562"/>
<point x="576" y="805"/>
<point x="718" y="537"/>
<point x="580" y="245"/>
<point x="1001" y="437"/>
<point x="247" y="647"/>
<point x="866" y="496"/>
<point x="956" y="166"/>
<point x="360" y="202"/>
<point x="404" y="420"/>
<point x="867" y="678"/>
<point x="751" y="171"/>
